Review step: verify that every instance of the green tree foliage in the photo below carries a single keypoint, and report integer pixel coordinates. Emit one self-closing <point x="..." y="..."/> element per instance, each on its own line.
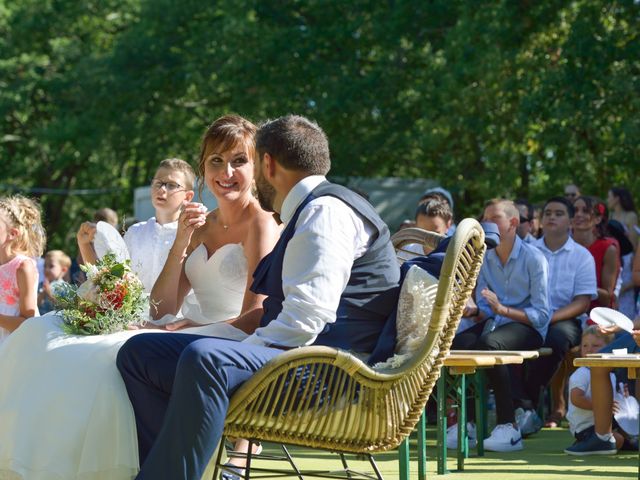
<point x="511" y="98"/>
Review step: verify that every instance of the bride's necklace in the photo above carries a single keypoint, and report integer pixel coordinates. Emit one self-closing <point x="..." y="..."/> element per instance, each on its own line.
<point x="223" y="224"/>
<point x="226" y="225"/>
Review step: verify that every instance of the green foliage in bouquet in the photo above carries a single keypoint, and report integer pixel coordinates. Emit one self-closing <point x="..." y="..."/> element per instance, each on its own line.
<point x="111" y="299"/>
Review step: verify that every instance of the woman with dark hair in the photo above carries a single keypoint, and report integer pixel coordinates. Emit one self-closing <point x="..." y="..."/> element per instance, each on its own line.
<point x="590" y="231"/>
<point x="620" y="202"/>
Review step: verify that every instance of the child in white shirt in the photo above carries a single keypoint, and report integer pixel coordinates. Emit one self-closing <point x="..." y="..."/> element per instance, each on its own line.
<point x="580" y="411"/>
<point x="149" y="242"/>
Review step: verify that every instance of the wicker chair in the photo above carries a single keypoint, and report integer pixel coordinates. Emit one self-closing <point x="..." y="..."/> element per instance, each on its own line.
<point x="339" y="403"/>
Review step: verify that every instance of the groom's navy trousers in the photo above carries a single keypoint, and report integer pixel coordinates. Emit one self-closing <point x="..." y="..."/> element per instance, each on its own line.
<point x="179" y="386"/>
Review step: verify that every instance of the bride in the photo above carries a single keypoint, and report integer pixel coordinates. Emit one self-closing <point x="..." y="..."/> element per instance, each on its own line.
<point x="64" y="411"/>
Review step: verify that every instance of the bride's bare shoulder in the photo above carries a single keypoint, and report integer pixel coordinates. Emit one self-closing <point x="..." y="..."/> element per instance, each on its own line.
<point x="264" y="222"/>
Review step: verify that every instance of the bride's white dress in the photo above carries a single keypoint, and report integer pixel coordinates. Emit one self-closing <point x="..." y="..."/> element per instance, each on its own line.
<point x="64" y="410"/>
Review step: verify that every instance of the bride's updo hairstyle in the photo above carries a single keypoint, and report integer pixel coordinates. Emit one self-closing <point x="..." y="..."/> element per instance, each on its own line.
<point x="224" y="134"/>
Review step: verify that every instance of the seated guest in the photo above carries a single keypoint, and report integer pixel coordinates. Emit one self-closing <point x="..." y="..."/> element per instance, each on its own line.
<point x="433" y="215"/>
<point x="572" y="286"/>
<point x="341" y="296"/>
<point x="525" y="229"/>
<point x="513" y="313"/>
<point x="602" y="441"/>
<point x="571" y="192"/>
<point x="580" y="413"/>
<point x="589" y="230"/>
<point x="56" y="266"/>
<point x="625" y="289"/>
<point x="620" y="202"/>
<point x="442" y="194"/>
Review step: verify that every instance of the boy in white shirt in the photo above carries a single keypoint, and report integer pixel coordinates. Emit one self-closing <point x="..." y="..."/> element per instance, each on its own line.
<point x="572" y="286"/>
<point x="580" y="411"/>
<point x="149" y="242"/>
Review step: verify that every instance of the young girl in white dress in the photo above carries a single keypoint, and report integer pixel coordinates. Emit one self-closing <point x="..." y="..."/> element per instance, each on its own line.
<point x="64" y="410"/>
<point x="22" y="240"/>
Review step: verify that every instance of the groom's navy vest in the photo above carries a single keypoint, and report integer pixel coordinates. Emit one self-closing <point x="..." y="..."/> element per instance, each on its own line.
<point x="372" y="289"/>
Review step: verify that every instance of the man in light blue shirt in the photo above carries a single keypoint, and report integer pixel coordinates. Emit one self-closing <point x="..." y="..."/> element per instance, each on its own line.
<point x="513" y="313"/>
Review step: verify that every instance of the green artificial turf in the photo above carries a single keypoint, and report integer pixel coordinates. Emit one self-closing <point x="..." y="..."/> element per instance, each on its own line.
<point x="542" y="458"/>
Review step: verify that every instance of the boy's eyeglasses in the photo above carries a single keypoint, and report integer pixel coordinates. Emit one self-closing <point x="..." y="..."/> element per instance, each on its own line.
<point x="169" y="186"/>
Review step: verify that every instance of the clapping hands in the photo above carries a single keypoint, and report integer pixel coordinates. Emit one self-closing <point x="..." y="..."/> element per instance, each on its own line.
<point x="492" y="300"/>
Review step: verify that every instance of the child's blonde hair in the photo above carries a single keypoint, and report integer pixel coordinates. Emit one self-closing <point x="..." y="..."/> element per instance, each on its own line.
<point x="60" y="257"/>
<point x="24" y="215"/>
<point x="178" y="165"/>
<point x="596" y="332"/>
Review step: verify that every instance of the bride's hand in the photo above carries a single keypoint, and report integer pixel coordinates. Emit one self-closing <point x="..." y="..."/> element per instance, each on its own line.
<point x="193" y="216"/>
<point x="180" y="324"/>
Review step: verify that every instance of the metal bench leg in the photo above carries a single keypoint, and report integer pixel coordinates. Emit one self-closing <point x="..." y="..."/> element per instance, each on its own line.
<point x="463" y="441"/>
<point x="441" y="445"/>
<point x="403" y="459"/>
<point x="481" y="410"/>
<point x="422" y="447"/>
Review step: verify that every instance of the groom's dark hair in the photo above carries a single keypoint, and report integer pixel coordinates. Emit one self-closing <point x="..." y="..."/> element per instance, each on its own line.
<point x="296" y="143"/>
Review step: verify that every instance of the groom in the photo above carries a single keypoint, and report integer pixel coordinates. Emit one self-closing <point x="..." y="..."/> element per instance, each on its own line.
<point x="330" y="280"/>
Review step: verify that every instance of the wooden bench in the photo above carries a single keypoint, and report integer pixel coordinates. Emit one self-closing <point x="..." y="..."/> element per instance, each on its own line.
<point x="453" y="383"/>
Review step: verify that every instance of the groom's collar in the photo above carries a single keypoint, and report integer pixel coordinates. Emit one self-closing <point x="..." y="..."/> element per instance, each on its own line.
<point x="297" y="194"/>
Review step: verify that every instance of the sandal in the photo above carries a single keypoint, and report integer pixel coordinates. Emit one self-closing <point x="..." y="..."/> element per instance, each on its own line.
<point x="553" y="420"/>
<point x="236" y="472"/>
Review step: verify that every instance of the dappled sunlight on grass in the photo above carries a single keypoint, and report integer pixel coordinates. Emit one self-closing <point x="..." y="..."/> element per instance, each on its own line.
<point x="543" y="458"/>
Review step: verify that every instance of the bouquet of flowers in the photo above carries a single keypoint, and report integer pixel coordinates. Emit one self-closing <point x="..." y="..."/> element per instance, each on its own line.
<point x="111" y="299"/>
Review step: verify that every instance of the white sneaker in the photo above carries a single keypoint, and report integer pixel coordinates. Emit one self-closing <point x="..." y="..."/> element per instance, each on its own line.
<point x="528" y="421"/>
<point x="504" y="438"/>
<point x="452" y="436"/>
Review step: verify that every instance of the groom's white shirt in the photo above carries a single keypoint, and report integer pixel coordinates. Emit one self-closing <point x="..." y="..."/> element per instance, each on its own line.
<point x="328" y="237"/>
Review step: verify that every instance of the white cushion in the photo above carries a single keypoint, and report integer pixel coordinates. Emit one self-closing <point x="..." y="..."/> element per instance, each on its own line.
<point x="415" y="305"/>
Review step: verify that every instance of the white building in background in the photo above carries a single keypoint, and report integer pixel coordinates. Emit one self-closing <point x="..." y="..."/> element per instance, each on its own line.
<point x="395" y="199"/>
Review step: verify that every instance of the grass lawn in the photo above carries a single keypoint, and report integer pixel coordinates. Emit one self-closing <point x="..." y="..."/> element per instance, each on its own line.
<point x="542" y="458"/>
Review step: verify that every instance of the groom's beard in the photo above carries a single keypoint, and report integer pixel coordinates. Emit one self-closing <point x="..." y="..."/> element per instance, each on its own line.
<point x="266" y="194"/>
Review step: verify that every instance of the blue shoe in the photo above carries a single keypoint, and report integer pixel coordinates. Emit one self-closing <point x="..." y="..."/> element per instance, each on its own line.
<point x="593" y="446"/>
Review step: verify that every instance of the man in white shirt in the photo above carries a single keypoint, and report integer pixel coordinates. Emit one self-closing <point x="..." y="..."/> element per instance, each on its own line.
<point x="572" y="286"/>
<point x="330" y="280"/>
